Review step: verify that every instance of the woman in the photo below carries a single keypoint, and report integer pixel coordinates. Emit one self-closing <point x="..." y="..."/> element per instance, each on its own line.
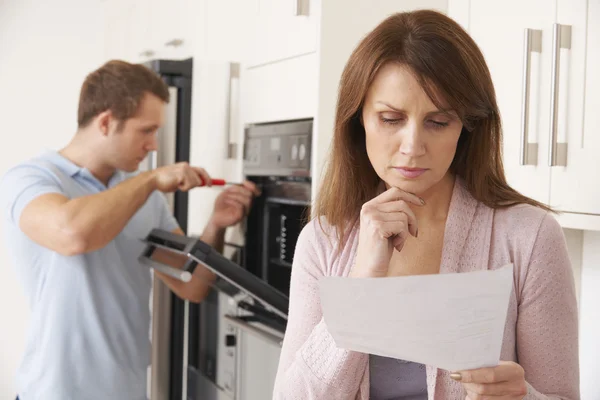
<point x="415" y="185"/>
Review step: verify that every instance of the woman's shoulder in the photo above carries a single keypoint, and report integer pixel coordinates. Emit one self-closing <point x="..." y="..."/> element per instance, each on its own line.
<point x="527" y="226"/>
<point x="523" y="218"/>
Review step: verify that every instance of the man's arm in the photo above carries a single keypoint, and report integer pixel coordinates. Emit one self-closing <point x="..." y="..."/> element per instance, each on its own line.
<point x="88" y="223"/>
<point x="197" y="289"/>
<point x="75" y="226"/>
<point x="230" y="207"/>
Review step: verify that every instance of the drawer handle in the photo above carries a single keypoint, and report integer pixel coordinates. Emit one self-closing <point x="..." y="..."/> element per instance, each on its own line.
<point x="532" y="43"/>
<point x="561" y="39"/>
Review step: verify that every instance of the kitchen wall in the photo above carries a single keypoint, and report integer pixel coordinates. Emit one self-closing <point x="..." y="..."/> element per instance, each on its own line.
<point x="46" y="48"/>
<point x="589" y="312"/>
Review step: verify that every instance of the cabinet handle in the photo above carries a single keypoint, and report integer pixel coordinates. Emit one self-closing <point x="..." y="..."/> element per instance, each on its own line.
<point x="532" y="43"/>
<point x="231" y="145"/>
<point x="561" y="39"/>
<point x="301" y="8"/>
<point x="147" y="53"/>
<point x="174" y="43"/>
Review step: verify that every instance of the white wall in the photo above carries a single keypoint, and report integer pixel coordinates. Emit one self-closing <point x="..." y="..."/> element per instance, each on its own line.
<point x="589" y="314"/>
<point x="46" y="49"/>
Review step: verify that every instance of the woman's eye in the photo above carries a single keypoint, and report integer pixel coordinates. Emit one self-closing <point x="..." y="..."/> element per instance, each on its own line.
<point x="438" y="124"/>
<point x="390" y="121"/>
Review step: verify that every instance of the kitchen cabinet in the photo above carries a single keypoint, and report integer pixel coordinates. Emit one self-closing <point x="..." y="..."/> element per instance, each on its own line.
<point x="546" y="90"/>
<point x="141" y="30"/>
<point x="226" y="29"/>
<point x="173" y="27"/>
<point x="117" y="17"/>
<point x="575" y="188"/>
<point x="281" y="91"/>
<point x="284" y="29"/>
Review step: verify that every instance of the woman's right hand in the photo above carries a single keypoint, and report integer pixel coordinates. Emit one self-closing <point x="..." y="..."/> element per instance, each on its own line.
<point x="385" y="223"/>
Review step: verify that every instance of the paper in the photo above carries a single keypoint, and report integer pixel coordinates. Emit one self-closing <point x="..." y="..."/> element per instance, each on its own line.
<point x="451" y="321"/>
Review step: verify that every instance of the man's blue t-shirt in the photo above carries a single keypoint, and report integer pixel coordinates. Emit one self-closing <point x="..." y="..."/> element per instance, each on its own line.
<point x="89" y="332"/>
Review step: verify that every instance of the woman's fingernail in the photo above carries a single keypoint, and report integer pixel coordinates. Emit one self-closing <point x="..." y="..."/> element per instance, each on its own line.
<point x="422" y="201"/>
<point x="456" y="376"/>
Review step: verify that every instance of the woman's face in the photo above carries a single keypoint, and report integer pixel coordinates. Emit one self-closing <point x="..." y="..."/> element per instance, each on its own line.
<point x="410" y="142"/>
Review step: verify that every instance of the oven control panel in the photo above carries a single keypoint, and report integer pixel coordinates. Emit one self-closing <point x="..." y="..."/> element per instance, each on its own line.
<point x="276" y="148"/>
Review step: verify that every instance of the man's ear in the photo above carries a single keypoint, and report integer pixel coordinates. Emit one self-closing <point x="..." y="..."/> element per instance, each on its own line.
<point x="103" y="122"/>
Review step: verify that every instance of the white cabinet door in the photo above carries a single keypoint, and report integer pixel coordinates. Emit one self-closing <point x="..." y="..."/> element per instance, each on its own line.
<point x="227" y="28"/>
<point x="281" y="91"/>
<point x="141" y="31"/>
<point x="117" y="20"/>
<point x="214" y="125"/>
<point x="174" y="24"/>
<point x="499" y="27"/>
<point x="284" y="29"/>
<point x="575" y="186"/>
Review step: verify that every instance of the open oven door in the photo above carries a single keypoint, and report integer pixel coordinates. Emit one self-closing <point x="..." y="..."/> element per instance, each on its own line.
<point x="255" y="307"/>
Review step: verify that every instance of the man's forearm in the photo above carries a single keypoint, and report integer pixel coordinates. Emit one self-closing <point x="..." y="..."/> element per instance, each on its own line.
<point x="99" y="218"/>
<point x="214" y="236"/>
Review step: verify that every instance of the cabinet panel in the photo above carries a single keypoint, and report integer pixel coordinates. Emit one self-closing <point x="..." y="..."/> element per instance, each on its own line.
<point x="117" y="17"/>
<point x="173" y="27"/>
<point x="498" y="28"/>
<point x="227" y="29"/>
<point x="215" y="111"/>
<point x="574" y="186"/>
<point x="281" y="33"/>
<point x="281" y="91"/>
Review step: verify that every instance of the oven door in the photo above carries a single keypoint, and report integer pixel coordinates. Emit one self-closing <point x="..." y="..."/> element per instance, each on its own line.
<point x="244" y="320"/>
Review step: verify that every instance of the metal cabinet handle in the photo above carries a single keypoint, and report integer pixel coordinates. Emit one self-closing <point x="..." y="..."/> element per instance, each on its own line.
<point x="561" y="39"/>
<point x="174" y="43"/>
<point x="302" y="8"/>
<point x="147" y="53"/>
<point x="231" y="145"/>
<point x="532" y="43"/>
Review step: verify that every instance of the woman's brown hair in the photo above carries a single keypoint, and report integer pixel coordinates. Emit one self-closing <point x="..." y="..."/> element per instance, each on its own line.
<point x="449" y="65"/>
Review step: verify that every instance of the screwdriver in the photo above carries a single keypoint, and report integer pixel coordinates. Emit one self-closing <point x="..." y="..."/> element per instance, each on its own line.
<point x="220" y="182"/>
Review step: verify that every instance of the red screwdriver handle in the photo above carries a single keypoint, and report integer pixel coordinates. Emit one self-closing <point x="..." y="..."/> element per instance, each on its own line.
<point x="215" y="182"/>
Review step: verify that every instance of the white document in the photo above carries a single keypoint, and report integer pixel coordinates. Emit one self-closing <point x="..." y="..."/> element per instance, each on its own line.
<point x="452" y="321"/>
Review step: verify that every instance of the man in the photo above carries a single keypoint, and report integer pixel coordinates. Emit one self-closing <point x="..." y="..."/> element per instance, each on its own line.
<point x="73" y="221"/>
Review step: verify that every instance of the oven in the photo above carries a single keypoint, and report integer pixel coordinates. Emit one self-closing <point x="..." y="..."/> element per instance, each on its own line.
<point x="234" y="336"/>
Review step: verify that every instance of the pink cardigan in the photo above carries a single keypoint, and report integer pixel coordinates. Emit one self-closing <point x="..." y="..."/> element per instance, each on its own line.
<point x="541" y="331"/>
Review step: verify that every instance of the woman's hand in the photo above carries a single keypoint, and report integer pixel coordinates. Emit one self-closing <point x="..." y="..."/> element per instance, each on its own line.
<point x="504" y="382"/>
<point x="385" y="223"/>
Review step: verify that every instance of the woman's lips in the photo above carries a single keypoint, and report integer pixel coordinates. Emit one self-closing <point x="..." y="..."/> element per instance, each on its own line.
<point x="410" y="173"/>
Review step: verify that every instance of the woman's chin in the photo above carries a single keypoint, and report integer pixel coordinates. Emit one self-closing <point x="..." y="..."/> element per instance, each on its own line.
<point x="414" y="186"/>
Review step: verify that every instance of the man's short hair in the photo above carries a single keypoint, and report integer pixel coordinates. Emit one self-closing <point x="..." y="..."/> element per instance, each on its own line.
<point x="118" y="86"/>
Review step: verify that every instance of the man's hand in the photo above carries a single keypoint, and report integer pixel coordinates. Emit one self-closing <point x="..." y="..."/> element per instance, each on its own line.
<point x="233" y="204"/>
<point x="180" y="176"/>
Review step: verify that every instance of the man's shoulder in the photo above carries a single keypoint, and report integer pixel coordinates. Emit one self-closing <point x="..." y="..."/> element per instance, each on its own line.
<point x="42" y="165"/>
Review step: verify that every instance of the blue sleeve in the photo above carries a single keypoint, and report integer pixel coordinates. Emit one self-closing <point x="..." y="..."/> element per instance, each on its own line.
<point x="167" y="221"/>
<point x="22" y="184"/>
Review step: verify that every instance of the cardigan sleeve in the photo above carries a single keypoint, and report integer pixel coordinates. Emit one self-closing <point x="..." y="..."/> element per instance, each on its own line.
<point x="547" y="327"/>
<point x="311" y="366"/>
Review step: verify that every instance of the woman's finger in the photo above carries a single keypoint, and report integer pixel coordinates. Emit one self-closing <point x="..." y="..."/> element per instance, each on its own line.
<point x="390" y="210"/>
<point x="394" y="194"/>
